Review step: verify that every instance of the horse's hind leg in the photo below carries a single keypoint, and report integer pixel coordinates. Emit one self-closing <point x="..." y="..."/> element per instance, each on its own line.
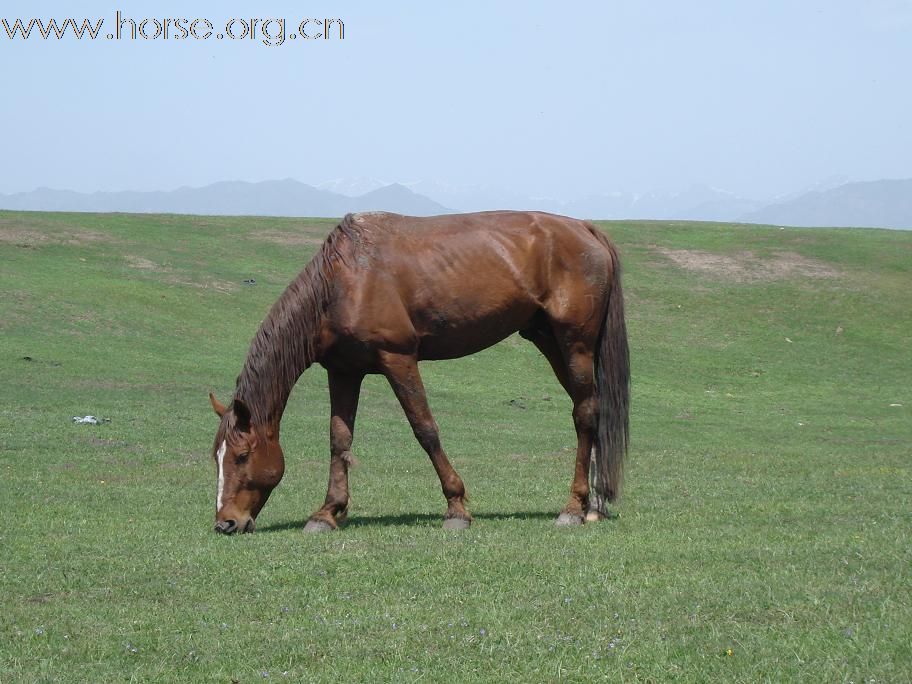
<point x="580" y="372"/>
<point x="402" y="372"/>
<point x="573" y="364"/>
<point x="343" y="396"/>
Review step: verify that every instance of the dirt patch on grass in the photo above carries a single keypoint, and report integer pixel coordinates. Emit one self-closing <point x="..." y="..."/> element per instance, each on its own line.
<point x="142" y="264"/>
<point x="746" y="266"/>
<point x="211" y="284"/>
<point x="22" y="238"/>
<point x="289" y="239"/>
<point x="37" y="232"/>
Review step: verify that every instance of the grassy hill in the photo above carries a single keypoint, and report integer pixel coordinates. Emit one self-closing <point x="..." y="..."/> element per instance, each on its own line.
<point x="764" y="532"/>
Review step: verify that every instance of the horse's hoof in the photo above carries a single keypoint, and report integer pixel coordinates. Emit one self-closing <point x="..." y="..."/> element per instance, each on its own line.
<point x="314" y="526"/>
<point x="456" y="524"/>
<point x="569" y="520"/>
<point x="595" y="516"/>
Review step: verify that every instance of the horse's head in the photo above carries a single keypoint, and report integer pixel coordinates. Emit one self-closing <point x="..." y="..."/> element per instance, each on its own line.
<point x="249" y="463"/>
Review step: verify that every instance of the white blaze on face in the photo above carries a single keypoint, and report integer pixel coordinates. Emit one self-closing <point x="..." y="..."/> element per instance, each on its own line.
<point x="220" y="456"/>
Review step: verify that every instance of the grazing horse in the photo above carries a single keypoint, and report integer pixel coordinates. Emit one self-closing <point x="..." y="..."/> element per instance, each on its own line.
<point x="387" y="291"/>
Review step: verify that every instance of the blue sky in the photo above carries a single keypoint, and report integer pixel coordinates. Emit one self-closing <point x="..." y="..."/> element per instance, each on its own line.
<point x="555" y="99"/>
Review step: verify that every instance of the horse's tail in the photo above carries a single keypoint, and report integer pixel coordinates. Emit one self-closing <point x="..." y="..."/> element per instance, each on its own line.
<point x="612" y="385"/>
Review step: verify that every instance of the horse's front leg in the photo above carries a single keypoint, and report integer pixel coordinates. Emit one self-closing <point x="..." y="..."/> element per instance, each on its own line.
<point x="343" y="396"/>
<point x="402" y="372"/>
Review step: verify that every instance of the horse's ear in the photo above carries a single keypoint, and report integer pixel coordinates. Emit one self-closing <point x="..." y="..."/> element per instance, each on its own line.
<point x="217" y="405"/>
<point x="241" y="415"/>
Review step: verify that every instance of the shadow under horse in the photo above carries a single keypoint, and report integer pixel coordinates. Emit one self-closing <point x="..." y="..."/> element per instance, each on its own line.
<point x="386" y="291"/>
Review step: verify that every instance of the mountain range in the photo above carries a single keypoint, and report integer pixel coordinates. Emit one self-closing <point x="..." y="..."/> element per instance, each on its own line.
<point x="882" y="203"/>
<point x="269" y="198"/>
<point x="873" y="204"/>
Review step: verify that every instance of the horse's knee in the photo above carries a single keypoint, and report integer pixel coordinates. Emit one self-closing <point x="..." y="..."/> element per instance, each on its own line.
<point x="340" y="436"/>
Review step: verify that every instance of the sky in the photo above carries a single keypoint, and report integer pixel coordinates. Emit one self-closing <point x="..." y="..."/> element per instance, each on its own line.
<point x="543" y="98"/>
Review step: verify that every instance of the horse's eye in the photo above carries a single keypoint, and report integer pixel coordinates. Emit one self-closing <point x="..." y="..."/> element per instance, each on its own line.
<point x="242" y="458"/>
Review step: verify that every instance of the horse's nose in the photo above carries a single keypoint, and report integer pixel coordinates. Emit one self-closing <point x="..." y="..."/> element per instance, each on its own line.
<point x="226" y="526"/>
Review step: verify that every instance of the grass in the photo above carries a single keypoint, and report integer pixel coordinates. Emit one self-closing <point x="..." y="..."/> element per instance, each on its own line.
<point x="764" y="534"/>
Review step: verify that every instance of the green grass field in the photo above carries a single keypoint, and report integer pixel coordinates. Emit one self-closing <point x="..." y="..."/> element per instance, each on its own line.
<point x="764" y="532"/>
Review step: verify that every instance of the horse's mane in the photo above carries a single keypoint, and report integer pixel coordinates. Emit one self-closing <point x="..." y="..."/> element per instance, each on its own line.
<point x="286" y="342"/>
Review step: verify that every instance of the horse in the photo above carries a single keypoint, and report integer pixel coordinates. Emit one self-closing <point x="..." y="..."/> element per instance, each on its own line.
<point x="385" y="291"/>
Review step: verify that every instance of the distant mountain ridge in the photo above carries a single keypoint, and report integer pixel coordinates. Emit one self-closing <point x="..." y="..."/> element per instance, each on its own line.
<point x="832" y="202"/>
<point x="695" y="202"/>
<point x="236" y="198"/>
<point x="882" y="203"/>
<point x="870" y="204"/>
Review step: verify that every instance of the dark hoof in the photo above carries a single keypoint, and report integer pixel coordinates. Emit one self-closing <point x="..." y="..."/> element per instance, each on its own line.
<point x="569" y="520"/>
<point x="318" y="526"/>
<point x="456" y="524"/>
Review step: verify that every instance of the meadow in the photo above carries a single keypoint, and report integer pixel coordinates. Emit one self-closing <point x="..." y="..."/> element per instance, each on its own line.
<point x="763" y="533"/>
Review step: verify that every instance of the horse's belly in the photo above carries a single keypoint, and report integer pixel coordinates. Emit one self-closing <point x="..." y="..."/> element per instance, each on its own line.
<point x="449" y="339"/>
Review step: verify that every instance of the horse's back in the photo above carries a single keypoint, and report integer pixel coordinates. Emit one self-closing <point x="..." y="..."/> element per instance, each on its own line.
<point x="464" y="241"/>
<point x="454" y="284"/>
<point x="388" y="226"/>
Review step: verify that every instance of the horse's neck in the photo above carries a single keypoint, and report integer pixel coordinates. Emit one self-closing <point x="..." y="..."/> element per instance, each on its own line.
<point x="283" y="348"/>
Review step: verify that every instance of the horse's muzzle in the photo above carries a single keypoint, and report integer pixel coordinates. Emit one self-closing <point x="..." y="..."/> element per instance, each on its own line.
<point x="231" y="526"/>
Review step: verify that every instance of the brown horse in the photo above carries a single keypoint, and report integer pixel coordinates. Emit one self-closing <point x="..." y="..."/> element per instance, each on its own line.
<point x="386" y="291"/>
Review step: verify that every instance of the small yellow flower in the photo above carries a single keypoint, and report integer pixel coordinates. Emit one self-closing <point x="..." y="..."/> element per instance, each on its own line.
<point x="729" y="652"/>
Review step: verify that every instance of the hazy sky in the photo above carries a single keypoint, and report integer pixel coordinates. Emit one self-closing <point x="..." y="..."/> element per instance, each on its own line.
<point x="547" y="98"/>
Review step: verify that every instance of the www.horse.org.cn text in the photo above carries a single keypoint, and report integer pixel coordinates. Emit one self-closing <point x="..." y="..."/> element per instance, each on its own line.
<point x="271" y="32"/>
